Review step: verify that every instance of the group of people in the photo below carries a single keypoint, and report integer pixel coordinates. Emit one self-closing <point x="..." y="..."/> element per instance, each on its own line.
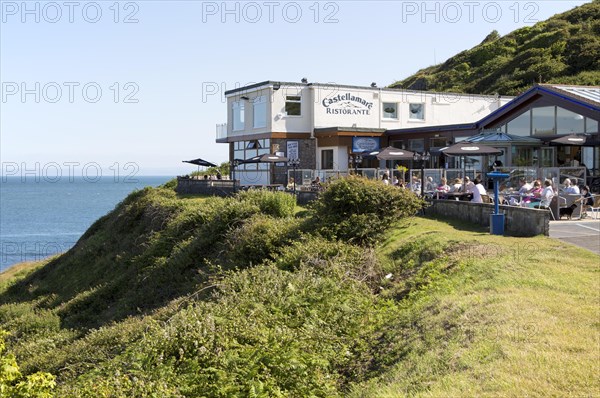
<point x="535" y="193"/>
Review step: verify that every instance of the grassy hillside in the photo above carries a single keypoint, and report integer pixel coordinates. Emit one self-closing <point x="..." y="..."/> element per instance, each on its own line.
<point x="183" y="297"/>
<point x="562" y="49"/>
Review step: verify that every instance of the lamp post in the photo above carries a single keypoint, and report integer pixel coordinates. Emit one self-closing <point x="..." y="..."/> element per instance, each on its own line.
<point x="234" y="163"/>
<point x="294" y="163"/>
<point x="357" y="160"/>
<point x="423" y="157"/>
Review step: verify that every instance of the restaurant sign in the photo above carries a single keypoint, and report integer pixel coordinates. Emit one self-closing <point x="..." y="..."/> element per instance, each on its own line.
<point x="346" y="104"/>
<point x="365" y="144"/>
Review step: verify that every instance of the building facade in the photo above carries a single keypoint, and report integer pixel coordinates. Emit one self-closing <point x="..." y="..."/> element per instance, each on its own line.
<point x="326" y="125"/>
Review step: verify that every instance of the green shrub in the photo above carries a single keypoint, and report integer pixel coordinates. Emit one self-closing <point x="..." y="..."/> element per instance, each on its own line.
<point x="276" y="204"/>
<point x="259" y="238"/>
<point x="358" y="210"/>
<point x="14" y="385"/>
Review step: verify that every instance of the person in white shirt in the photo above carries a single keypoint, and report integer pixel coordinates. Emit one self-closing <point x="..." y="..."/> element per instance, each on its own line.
<point x="477" y="190"/>
<point x="525" y="186"/>
<point x="547" y="194"/>
<point x="569" y="187"/>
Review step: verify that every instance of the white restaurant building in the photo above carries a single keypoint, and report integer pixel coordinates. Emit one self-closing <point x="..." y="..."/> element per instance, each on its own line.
<point x="324" y="125"/>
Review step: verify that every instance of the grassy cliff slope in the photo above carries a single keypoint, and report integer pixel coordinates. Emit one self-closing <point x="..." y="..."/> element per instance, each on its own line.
<point x="184" y="297"/>
<point x="563" y="49"/>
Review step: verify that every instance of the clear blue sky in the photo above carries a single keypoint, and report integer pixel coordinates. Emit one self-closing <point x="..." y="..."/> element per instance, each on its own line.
<point x="163" y="62"/>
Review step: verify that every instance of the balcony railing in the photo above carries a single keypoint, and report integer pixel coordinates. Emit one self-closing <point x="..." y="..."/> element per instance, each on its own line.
<point x="221" y="130"/>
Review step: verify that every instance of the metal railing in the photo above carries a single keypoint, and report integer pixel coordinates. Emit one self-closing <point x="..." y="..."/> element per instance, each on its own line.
<point x="221" y="131"/>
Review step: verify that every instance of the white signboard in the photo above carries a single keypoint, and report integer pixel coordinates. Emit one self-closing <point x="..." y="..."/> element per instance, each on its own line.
<point x="292" y="150"/>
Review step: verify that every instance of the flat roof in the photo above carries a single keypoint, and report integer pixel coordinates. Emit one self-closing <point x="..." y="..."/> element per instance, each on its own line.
<point x="268" y="83"/>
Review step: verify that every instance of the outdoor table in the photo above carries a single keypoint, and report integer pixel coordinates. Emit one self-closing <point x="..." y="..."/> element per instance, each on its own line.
<point x="466" y="196"/>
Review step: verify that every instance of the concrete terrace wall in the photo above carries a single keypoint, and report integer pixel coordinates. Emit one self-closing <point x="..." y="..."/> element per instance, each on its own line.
<point x="204" y="187"/>
<point x="519" y="221"/>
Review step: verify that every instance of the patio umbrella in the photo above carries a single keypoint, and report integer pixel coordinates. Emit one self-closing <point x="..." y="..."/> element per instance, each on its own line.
<point x="465" y="148"/>
<point x="390" y="153"/>
<point x="200" y="162"/>
<point x="576" y="139"/>
<point x="266" y="158"/>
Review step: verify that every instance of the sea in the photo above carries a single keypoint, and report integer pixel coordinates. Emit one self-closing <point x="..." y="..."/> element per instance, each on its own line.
<point x="40" y="218"/>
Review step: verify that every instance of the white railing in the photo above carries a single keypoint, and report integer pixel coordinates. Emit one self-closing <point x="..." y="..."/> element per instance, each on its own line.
<point x="221" y="131"/>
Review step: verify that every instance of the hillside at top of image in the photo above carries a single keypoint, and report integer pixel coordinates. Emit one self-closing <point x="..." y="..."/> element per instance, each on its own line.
<point x="564" y="49"/>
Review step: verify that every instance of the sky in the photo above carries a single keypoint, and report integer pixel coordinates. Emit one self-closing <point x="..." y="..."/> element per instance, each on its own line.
<point x="135" y="87"/>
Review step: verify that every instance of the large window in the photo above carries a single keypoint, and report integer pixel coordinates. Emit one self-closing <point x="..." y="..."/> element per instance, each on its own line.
<point x="237" y="112"/>
<point x="568" y="122"/>
<point x="293" y="105"/>
<point x="390" y="110"/>
<point x="520" y="125"/>
<point x="416" y="111"/>
<point x="247" y="149"/>
<point x="260" y="111"/>
<point x="327" y="159"/>
<point x="542" y="120"/>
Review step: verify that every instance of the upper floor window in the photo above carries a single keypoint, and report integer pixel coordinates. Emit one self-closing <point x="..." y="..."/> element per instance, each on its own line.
<point x="416" y="111"/>
<point x="292" y="105"/>
<point x="390" y="110"/>
<point x="237" y="111"/>
<point x="260" y="111"/>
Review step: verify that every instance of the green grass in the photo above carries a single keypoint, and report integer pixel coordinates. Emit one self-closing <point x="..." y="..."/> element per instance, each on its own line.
<point x="168" y="296"/>
<point x="513" y="317"/>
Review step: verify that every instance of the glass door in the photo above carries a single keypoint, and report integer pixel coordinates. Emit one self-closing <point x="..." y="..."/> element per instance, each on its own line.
<point x="546" y="157"/>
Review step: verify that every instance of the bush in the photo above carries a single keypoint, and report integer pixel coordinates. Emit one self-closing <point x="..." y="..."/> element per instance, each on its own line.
<point x="358" y="210"/>
<point x="258" y="239"/>
<point x="276" y="204"/>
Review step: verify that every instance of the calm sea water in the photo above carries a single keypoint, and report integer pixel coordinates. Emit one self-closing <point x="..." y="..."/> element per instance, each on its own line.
<point x="39" y="219"/>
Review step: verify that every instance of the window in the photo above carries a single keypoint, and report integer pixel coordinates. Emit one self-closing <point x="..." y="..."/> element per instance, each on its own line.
<point x="521" y="125"/>
<point x="255" y="144"/>
<point x="292" y="105"/>
<point x="416" y="145"/>
<point x="260" y="112"/>
<point x="416" y="111"/>
<point x="238" y="115"/>
<point x="327" y="159"/>
<point x="591" y="125"/>
<point x="542" y="120"/>
<point x="390" y="110"/>
<point x="568" y="122"/>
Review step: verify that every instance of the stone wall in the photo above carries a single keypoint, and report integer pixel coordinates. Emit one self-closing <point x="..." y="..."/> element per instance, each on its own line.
<point x="306" y="153"/>
<point x="204" y="187"/>
<point x="519" y="221"/>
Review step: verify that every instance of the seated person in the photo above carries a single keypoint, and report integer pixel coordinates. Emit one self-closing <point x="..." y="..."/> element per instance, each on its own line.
<point x="477" y="190"/>
<point x="443" y="186"/>
<point x="456" y="186"/>
<point x="395" y="181"/>
<point x="415" y="184"/>
<point x="429" y="185"/>
<point x="569" y="187"/>
<point x="525" y="186"/>
<point x="587" y="200"/>
<point x="536" y="190"/>
<point x="546" y="195"/>
<point x="290" y="184"/>
<point x="469" y="184"/>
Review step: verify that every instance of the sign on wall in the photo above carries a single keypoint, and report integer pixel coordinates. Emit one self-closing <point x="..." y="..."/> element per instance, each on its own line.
<point x="292" y="150"/>
<point x="347" y="104"/>
<point x="363" y="144"/>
